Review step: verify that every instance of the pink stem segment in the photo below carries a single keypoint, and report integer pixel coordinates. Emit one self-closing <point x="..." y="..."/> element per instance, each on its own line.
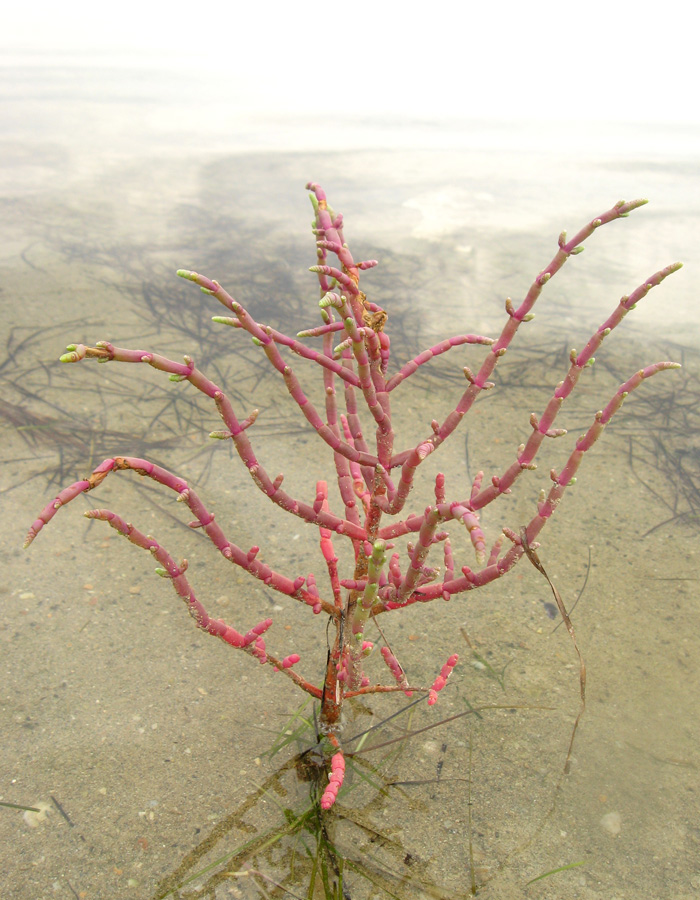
<point x="355" y="427"/>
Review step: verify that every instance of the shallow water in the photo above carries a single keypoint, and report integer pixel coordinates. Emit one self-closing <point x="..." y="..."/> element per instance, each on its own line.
<point x="139" y="735"/>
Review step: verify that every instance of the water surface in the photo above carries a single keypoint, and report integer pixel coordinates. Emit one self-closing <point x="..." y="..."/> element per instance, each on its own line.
<point x="140" y="734"/>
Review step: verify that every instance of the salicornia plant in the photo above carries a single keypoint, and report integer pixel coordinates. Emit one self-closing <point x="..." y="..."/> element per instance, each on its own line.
<point x="350" y="349"/>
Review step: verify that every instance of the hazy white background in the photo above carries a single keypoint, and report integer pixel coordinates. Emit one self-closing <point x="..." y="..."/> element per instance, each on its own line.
<point x="459" y="140"/>
<point x="545" y="61"/>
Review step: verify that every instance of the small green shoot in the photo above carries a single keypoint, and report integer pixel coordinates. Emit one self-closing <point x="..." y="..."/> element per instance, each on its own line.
<point x="484" y="664"/>
<point x="290" y="732"/>
<point x="573" y="865"/>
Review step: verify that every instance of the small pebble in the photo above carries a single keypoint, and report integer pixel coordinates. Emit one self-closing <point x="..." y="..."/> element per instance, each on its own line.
<point x="612" y="822"/>
<point x="26" y="595"/>
<point x="34" y="819"/>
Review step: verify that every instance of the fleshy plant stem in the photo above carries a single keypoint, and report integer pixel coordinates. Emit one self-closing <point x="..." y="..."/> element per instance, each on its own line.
<point x="373" y="478"/>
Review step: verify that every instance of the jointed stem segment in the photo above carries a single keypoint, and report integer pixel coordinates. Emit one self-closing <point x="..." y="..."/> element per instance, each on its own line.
<point x="355" y="355"/>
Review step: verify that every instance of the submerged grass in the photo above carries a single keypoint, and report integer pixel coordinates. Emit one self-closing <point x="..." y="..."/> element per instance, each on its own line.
<point x="311" y="853"/>
<point x="573" y="865"/>
<point x="18" y="806"/>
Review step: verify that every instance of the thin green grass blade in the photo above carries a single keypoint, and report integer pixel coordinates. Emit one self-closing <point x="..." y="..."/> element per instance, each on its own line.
<point x="17" y="806"/>
<point x="324" y="877"/>
<point x="283" y="738"/>
<point x="371" y="877"/>
<point x="357" y="770"/>
<point x="489" y="670"/>
<point x="472" y="711"/>
<point x="574" y="865"/>
<point x="283" y="809"/>
<point x="260" y="843"/>
<point x="339" y="886"/>
<point x="312" y="879"/>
